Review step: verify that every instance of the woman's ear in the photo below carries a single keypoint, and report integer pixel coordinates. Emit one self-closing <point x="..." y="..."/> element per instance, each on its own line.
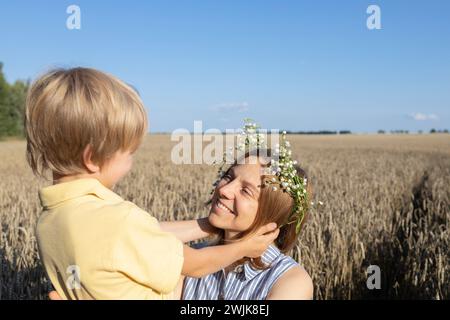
<point x="87" y="160"/>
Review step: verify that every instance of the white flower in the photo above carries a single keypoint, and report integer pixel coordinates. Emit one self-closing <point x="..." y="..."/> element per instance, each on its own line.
<point x="321" y="203"/>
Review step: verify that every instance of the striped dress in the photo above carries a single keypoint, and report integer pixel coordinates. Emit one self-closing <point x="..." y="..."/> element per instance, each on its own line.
<point x="243" y="283"/>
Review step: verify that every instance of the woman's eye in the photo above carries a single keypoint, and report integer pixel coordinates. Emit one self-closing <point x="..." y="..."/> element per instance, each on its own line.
<point x="248" y="192"/>
<point x="226" y="177"/>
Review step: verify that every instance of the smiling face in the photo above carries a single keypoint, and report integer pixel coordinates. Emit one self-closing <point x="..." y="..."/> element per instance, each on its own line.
<point x="245" y="200"/>
<point x="235" y="201"/>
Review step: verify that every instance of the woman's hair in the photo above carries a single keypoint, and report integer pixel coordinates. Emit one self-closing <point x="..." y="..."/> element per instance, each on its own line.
<point x="69" y="109"/>
<point x="273" y="206"/>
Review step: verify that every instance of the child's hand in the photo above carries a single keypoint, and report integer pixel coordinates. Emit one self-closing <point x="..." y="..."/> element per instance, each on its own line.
<point x="53" y="295"/>
<point x="260" y="241"/>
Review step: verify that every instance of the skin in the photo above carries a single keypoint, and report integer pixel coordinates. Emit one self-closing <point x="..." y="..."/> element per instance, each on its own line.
<point x="239" y="192"/>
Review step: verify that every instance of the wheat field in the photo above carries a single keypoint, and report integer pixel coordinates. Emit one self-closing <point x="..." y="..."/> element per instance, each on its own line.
<point x="386" y="203"/>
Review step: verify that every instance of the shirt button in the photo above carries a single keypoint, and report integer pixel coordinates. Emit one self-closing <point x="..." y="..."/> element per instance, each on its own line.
<point x="239" y="269"/>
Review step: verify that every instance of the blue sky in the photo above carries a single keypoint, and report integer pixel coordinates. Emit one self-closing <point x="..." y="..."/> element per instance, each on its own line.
<point x="294" y="65"/>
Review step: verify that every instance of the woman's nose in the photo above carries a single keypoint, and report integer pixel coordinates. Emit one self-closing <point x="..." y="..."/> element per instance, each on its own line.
<point x="227" y="191"/>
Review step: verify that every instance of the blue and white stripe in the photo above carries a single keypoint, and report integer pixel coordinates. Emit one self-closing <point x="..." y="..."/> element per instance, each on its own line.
<point x="244" y="283"/>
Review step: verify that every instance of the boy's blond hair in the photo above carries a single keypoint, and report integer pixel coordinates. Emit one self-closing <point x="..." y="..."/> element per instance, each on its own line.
<point x="69" y="109"/>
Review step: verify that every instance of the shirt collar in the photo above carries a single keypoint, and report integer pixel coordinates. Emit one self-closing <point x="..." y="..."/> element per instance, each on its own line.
<point x="56" y="194"/>
<point x="268" y="257"/>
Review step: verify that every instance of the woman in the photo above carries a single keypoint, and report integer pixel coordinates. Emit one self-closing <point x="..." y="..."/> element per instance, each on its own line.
<point x="240" y="204"/>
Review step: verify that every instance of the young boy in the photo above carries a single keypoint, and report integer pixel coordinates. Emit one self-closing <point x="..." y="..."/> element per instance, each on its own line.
<point x="83" y="126"/>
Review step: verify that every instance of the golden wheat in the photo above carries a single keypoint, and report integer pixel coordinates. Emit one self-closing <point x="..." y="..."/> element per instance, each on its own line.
<point x="386" y="202"/>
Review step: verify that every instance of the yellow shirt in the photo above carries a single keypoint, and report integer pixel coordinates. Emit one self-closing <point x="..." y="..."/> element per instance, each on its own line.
<point x="95" y="245"/>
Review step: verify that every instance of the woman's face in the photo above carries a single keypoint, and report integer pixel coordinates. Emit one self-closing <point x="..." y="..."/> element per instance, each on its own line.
<point x="235" y="200"/>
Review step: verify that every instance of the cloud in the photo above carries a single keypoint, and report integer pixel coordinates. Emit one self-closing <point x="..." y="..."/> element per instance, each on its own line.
<point x="232" y="107"/>
<point x="423" y="117"/>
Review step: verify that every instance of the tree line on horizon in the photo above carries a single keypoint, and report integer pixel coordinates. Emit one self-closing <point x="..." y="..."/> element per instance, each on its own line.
<point x="327" y="132"/>
<point x="12" y="106"/>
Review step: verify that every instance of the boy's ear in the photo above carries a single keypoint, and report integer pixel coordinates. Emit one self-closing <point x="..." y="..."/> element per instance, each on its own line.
<point x="87" y="155"/>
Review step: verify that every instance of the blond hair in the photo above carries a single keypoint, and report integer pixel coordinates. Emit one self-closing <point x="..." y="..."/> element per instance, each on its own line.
<point x="70" y="109"/>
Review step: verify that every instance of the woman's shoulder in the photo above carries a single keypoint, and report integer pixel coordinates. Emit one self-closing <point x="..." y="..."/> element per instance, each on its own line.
<point x="278" y="261"/>
<point x="294" y="284"/>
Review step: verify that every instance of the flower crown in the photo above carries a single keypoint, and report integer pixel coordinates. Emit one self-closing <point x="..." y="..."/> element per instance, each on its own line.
<point x="282" y="169"/>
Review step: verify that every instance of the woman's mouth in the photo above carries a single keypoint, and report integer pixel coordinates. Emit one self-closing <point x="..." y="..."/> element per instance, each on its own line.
<point x="223" y="207"/>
